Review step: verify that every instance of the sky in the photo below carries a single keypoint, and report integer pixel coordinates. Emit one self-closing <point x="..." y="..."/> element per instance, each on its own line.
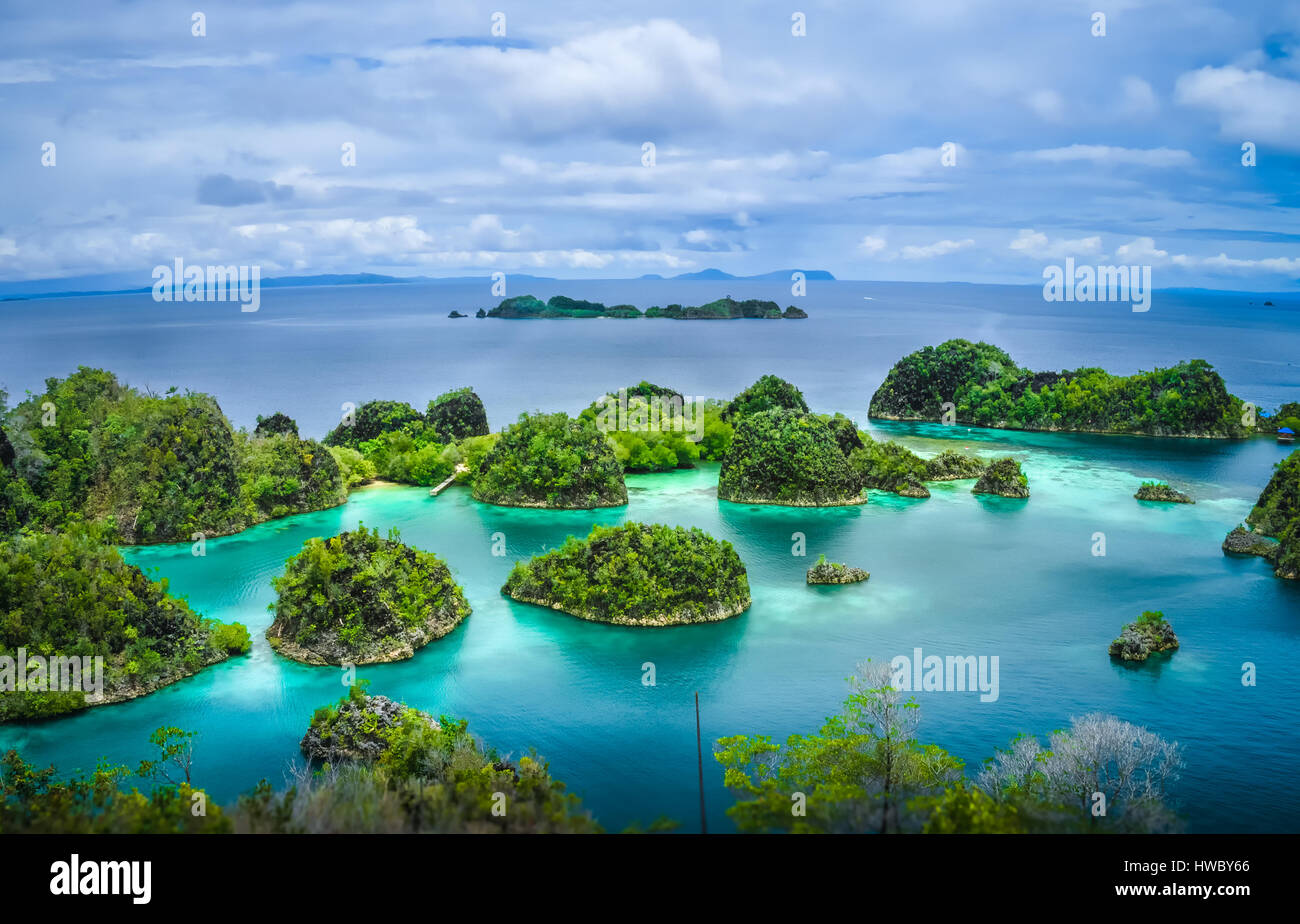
<point x="928" y="140"/>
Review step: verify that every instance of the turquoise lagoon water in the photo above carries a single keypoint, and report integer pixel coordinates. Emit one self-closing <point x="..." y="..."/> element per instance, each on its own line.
<point x="952" y="574"/>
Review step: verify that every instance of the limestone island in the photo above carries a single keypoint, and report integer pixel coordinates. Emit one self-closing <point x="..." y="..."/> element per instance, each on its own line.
<point x="985" y="388"/>
<point x="1003" y="478"/>
<point x="359" y="598"/>
<point x="551" y="461"/>
<point x="69" y="598"/>
<point x="561" y="306"/>
<point x="1272" y="529"/>
<point x="637" y="574"/>
<point x="781" y="453"/>
<point x="1159" y="491"/>
<point x="829" y="572"/>
<point x="360" y="727"/>
<point x="153" y="468"/>
<point x="788" y="458"/>
<point x="1148" y="635"/>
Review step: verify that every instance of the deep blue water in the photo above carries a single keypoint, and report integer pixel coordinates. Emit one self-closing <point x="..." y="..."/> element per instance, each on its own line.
<point x="954" y="574"/>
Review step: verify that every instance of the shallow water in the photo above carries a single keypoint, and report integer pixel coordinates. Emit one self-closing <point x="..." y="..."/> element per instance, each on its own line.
<point x="954" y="574"/>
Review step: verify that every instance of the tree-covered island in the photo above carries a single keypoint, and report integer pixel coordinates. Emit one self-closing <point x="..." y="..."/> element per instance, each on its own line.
<point x="69" y="598"/>
<point x="1272" y="529"/>
<point x="561" y="306"/>
<point x="982" y="386"/>
<point x="637" y="574"/>
<point x="360" y="598"/>
<point x="552" y="461"/>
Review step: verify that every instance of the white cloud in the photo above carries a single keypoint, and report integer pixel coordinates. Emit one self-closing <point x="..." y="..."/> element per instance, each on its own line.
<point x="871" y="244"/>
<point x="1250" y="105"/>
<point x="1141" y="251"/>
<point x="937" y="249"/>
<point x="1106" y="154"/>
<point x="1035" y="244"/>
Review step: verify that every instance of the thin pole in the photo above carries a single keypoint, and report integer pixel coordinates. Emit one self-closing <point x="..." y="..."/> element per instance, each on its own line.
<point x="699" y="751"/>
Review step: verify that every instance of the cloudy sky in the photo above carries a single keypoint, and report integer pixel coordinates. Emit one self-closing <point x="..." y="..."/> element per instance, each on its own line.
<point x="526" y="152"/>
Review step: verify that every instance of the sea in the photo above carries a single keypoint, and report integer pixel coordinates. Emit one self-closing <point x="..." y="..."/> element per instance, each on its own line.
<point x="953" y="575"/>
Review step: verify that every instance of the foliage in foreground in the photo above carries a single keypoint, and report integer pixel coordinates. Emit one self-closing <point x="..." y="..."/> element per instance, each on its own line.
<point x="427" y="776"/>
<point x="866" y="771"/>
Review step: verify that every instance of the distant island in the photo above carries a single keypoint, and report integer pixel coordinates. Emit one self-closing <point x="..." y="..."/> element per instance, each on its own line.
<point x="561" y="306"/>
<point x="977" y="384"/>
<point x="636" y="574"/>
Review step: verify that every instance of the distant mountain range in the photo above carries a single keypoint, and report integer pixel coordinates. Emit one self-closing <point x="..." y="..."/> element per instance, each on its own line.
<point x="123" y="284"/>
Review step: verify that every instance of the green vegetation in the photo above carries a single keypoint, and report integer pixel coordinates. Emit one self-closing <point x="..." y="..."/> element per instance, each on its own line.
<point x="1147" y="635"/>
<point x="865" y="771"/>
<point x="361" y="727"/>
<point x="1159" y="491"/>
<point x="951" y="465"/>
<point x="354" y="468"/>
<point x="561" y="306"/>
<point x="424" y="776"/>
<point x="35" y="801"/>
<point x="361" y="599"/>
<point x="400" y="771"/>
<point x="71" y="595"/>
<point x="1276" y="515"/>
<point x="1003" y="478"/>
<point x="663" y="448"/>
<point x="833" y="572"/>
<point x="790" y="458"/>
<point x="768" y="393"/>
<point x="458" y="414"/>
<point x="989" y="390"/>
<point x="281" y="474"/>
<point x="392" y="441"/>
<point x="152" y="469"/>
<point x="277" y="423"/>
<point x="889" y="466"/>
<point x="551" y="460"/>
<point x="637" y="575"/>
<point x="375" y="419"/>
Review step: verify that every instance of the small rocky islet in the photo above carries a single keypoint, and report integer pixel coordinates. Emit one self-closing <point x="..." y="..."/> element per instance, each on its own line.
<point x="829" y="572"/>
<point x="358" y="728"/>
<point x="1004" y="479"/>
<point x="1149" y="634"/>
<point x="1160" y="492"/>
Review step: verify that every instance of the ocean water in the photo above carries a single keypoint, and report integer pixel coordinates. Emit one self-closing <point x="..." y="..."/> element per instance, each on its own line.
<point x="954" y="574"/>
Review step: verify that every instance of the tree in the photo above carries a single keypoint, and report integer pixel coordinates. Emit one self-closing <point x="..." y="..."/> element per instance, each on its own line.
<point x="175" y="756"/>
<point x="1130" y="766"/>
<point x="858" y="775"/>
